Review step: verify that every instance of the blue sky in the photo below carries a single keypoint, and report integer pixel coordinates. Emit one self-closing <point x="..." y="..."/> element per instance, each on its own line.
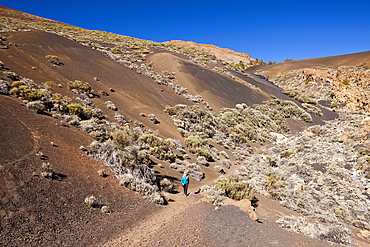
<point x="271" y="30"/>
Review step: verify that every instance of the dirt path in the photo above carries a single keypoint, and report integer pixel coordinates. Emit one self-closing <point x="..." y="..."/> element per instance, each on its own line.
<point x="146" y="231"/>
<point x="189" y="222"/>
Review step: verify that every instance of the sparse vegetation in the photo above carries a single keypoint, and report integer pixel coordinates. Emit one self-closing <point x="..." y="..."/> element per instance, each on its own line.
<point x="333" y="234"/>
<point x="234" y="188"/>
<point x="91" y="201"/>
<point x="46" y="170"/>
<point x="102" y="173"/>
<point x="80" y="86"/>
<point x="49" y="85"/>
<point x="53" y="59"/>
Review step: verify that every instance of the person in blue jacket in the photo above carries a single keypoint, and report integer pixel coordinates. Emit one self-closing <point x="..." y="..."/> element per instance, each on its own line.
<point x="185" y="183"/>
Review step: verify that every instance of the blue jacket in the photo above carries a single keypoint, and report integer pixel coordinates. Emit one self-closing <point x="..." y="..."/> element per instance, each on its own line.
<point x="184" y="180"/>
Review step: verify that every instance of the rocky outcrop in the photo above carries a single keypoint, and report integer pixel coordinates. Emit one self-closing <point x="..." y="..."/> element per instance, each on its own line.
<point x="347" y="85"/>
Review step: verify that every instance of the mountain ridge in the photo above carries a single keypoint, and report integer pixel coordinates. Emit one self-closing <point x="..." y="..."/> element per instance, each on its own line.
<point x="223" y="53"/>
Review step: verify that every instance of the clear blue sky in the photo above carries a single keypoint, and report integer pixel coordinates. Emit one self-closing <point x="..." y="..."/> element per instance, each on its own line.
<point x="271" y="30"/>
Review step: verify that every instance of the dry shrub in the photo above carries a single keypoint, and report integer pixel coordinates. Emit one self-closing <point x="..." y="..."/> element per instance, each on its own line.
<point x="102" y="173"/>
<point x="226" y="163"/>
<point x="202" y="161"/>
<point x="46" y="170"/>
<point x="36" y="106"/>
<point x="105" y="210"/>
<point x="148" y="191"/>
<point x="219" y="169"/>
<point x="214" y="196"/>
<point x="91" y="201"/>
<point x="53" y="59"/>
<point x="166" y="185"/>
<point x="334" y="234"/>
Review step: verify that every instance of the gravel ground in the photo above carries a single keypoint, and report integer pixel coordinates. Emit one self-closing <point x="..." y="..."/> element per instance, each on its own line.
<point x="189" y="222"/>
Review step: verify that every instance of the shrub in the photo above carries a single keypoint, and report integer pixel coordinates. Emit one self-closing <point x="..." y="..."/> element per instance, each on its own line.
<point x="105" y="210"/>
<point x="223" y="153"/>
<point x="125" y="138"/>
<point x="313" y="109"/>
<point x="234" y="188"/>
<point x="202" y="160"/>
<point x="53" y="59"/>
<point x="305" y="99"/>
<point x="91" y="201"/>
<point x="195" y="146"/>
<point x="111" y="105"/>
<point x="36" y="106"/>
<point x="290" y="92"/>
<point x="301" y="225"/>
<point x="11" y="75"/>
<point x="75" y="109"/>
<point x="159" y="147"/>
<point x="117" y="50"/>
<point x="23" y="91"/>
<point x="153" y="118"/>
<point x="49" y="85"/>
<point x="46" y="170"/>
<point x="345" y="82"/>
<point x="102" y="173"/>
<point x="213" y="196"/>
<point x="170" y="110"/>
<point x="166" y="185"/>
<point x="226" y="163"/>
<point x="3" y="87"/>
<point x="145" y="189"/>
<point x="306" y="117"/>
<point x="83" y="87"/>
<point x="219" y="169"/>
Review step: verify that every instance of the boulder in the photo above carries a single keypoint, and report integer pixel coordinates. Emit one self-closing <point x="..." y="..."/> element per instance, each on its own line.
<point x="365" y="234"/>
<point x="343" y="138"/>
<point x="320" y="181"/>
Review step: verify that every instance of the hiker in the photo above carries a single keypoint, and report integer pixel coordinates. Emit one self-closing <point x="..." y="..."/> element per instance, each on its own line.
<point x="185" y="183"/>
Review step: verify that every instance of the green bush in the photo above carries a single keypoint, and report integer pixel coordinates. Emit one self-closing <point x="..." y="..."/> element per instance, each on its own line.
<point x="26" y="93"/>
<point x="234" y="188"/>
<point x="290" y="92"/>
<point x="125" y="138"/>
<point x="80" y="86"/>
<point x="305" y="99"/>
<point x="53" y="59"/>
<point x="170" y="110"/>
<point x="158" y="146"/>
<point x="306" y="117"/>
<point x="345" y="82"/>
<point x="75" y="109"/>
<point x="117" y="50"/>
<point x="197" y="147"/>
<point x="49" y="85"/>
<point x="11" y="75"/>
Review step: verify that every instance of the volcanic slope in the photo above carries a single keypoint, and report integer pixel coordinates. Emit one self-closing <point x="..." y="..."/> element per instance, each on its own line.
<point x="354" y="59"/>
<point x="39" y="211"/>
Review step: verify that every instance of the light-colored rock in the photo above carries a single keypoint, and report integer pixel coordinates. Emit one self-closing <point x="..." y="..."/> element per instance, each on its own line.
<point x="365" y="234"/>
<point x="343" y="138"/>
<point x="320" y="181"/>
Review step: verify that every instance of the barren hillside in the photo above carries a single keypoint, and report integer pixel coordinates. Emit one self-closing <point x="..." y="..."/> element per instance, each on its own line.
<point x="354" y="59"/>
